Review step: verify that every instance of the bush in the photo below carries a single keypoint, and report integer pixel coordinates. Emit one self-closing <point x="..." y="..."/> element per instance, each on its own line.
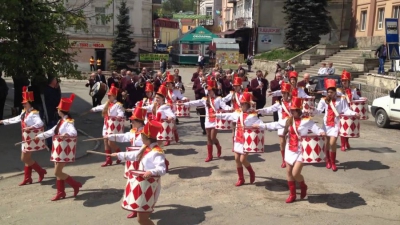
<point x="278" y="54"/>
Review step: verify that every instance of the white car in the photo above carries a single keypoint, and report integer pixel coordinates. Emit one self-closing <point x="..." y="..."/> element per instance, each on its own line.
<point x="387" y="109"/>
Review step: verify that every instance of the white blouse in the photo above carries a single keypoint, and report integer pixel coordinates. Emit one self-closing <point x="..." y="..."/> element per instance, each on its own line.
<point x="165" y="111"/>
<point x="116" y="109"/>
<point x="341" y="107"/>
<point x="67" y="127"/>
<point x="300" y="93"/>
<point x="132" y="136"/>
<point x="31" y="119"/>
<point x="175" y="95"/>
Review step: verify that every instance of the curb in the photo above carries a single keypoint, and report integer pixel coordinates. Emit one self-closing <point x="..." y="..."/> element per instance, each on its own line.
<point x="84" y="155"/>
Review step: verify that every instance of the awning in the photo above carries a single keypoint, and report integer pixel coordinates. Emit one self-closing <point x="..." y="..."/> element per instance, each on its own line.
<point x="198" y="35"/>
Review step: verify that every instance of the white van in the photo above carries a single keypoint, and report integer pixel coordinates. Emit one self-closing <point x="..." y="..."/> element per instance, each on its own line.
<point x="387" y="109"/>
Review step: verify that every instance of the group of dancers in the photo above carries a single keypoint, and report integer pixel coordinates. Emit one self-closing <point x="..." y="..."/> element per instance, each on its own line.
<point x="157" y="111"/>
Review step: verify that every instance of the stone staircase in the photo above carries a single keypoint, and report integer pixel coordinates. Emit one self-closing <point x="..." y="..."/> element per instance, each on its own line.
<point x="388" y="66"/>
<point x="342" y="60"/>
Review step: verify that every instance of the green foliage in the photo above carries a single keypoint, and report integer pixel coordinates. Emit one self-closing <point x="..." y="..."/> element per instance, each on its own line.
<point x="306" y="21"/>
<point x="121" y="52"/>
<point x="169" y="7"/>
<point x="35" y="41"/>
<point x="278" y="54"/>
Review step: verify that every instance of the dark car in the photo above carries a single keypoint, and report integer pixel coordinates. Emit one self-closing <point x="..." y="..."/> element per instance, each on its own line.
<point x="320" y="86"/>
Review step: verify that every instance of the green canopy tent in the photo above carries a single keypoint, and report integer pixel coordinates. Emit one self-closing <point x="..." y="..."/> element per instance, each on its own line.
<point x="188" y="47"/>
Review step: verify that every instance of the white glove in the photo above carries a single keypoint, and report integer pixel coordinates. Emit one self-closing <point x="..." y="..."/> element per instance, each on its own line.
<point x="280" y="82"/>
<point x="307" y="85"/>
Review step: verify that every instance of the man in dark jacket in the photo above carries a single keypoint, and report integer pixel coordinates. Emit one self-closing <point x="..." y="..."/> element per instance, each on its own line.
<point x="259" y="86"/>
<point x="52" y="97"/>
<point x="3" y="95"/>
<point x="381" y="53"/>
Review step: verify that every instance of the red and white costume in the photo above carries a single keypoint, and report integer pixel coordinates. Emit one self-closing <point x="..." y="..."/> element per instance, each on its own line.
<point x="234" y="96"/>
<point x="299" y="91"/>
<point x="147" y="101"/>
<point x="162" y="111"/>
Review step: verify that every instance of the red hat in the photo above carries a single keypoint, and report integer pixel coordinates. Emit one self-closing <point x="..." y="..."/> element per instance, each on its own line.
<point x="162" y="90"/>
<point x="293" y="74"/>
<point x="211" y="84"/>
<point x="151" y="129"/>
<point x="113" y="90"/>
<point x="149" y="87"/>
<point x="66" y="103"/>
<point x="237" y="81"/>
<point x="168" y="73"/>
<point x="285" y="87"/>
<point x="138" y="114"/>
<point x="247" y="97"/>
<point x="170" y="78"/>
<point x="330" y="83"/>
<point x="297" y="103"/>
<point x="346" y="75"/>
<point x="210" y="77"/>
<point x="27" y="96"/>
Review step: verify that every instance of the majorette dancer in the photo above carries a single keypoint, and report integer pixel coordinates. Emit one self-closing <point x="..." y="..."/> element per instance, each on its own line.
<point x="296" y="91"/>
<point x="246" y="118"/>
<point x="349" y="95"/>
<point x="161" y="111"/>
<point x="151" y="160"/>
<point x="30" y="120"/>
<point x="212" y="104"/>
<point x="132" y="136"/>
<point x="173" y="95"/>
<point x="112" y="108"/>
<point x="64" y="129"/>
<point x="295" y="127"/>
<point x="283" y="110"/>
<point x="148" y="100"/>
<point x="333" y="107"/>
<point x="235" y="95"/>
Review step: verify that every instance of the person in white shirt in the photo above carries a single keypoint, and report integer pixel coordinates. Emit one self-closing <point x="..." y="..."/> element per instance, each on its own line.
<point x="330" y="70"/>
<point x="322" y="70"/>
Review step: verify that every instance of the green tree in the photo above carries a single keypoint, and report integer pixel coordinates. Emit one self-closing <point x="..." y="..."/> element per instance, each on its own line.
<point x="306" y="21"/>
<point x="170" y="7"/>
<point x="121" y="52"/>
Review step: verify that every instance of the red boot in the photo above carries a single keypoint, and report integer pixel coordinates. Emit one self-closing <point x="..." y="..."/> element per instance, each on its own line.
<point x="283" y="165"/>
<point x="218" y="150"/>
<point x="240" y="181"/>
<point x="27" y="176"/>
<point x="292" y="190"/>
<point x="333" y="161"/>
<point x="60" y="190"/>
<point x="209" y="153"/>
<point x="347" y="143"/>
<point x="108" y="161"/>
<point x="342" y="143"/>
<point x="39" y="170"/>
<point x="118" y="161"/>
<point x="176" y="136"/>
<point x="303" y="188"/>
<point x="166" y="165"/>
<point x="74" y="184"/>
<point x="252" y="174"/>
<point x="132" y="215"/>
<point x="327" y="160"/>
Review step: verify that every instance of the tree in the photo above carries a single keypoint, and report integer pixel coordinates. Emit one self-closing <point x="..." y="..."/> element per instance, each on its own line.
<point x="121" y="52"/>
<point x="169" y="7"/>
<point x="306" y="21"/>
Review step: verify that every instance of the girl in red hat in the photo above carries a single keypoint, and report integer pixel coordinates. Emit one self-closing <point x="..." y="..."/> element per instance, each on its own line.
<point x="348" y="94"/>
<point x="283" y="110"/>
<point x="148" y="100"/>
<point x="212" y="104"/>
<point x="333" y="107"/>
<point x="151" y="159"/>
<point x="246" y="118"/>
<point x="296" y="91"/>
<point x="235" y="95"/>
<point x="295" y="127"/>
<point x="112" y="108"/>
<point x="65" y="128"/>
<point x="30" y="120"/>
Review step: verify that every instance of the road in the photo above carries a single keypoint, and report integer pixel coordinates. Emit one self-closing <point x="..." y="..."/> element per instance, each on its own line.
<point x="365" y="189"/>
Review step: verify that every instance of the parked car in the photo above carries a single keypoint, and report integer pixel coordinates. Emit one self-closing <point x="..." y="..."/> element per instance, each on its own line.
<point x="161" y="48"/>
<point x="386" y="109"/>
<point x="320" y="86"/>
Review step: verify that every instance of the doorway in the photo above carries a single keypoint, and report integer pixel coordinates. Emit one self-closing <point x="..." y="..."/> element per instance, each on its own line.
<point x="101" y="54"/>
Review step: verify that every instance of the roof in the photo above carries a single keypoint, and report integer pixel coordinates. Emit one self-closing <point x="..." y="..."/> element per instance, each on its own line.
<point x="198" y="35"/>
<point x="190" y="22"/>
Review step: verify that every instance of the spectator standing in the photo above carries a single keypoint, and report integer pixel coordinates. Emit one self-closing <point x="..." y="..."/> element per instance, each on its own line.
<point x="3" y="95"/>
<point x="322" y="69"/>
<point x="99" y="78"/>
<point x="195" y="74"/>
<point x="91" y="63"/>
<point x="381" y="53"/>
<point x="330" y="70"/>
<point x="98" y="62"/>
<point x="275" y="85"/>
<point x="305" y="83"/>
<point x="289" y="67"/>
<point x="90" y="84"/>
<point x="259" y="86"/>
<point x="249" y="62"/>
<point x="113" y="80"/>
<point x="52" y="97"/>
<point x="163" y="66"/>
<point x="278" y="68"/>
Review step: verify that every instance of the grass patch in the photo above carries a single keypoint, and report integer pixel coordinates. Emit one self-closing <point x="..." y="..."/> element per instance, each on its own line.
<point x="278" y="54"/>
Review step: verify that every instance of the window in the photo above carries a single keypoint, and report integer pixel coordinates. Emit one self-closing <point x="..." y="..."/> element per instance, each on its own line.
<point x="381" y="18"/>
<point x="396" y="10"/>
<point x="363" y="20"/>
<point x="209" y="11"/>
<point x="100" y="14"/>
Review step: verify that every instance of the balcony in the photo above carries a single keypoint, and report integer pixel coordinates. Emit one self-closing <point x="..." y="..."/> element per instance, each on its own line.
<point x="206" y="22"/>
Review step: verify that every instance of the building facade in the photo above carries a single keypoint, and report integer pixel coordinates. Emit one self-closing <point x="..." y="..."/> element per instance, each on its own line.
<point x="212" y="8"/>
<point x="368" y="24"/>
<point x="97" y="42"/>
<point x="166" y="30"/>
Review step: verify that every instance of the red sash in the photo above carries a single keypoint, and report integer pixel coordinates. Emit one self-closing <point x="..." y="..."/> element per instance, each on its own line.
<point x="284" y="114"/>
<point x="211" y="112"/>
<point x="293" y="138"/>
<point x="236" y="104"/>
<point x="349" y="94"/>
<point x="240" y="130"/>
<point x="330" y="119"/>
